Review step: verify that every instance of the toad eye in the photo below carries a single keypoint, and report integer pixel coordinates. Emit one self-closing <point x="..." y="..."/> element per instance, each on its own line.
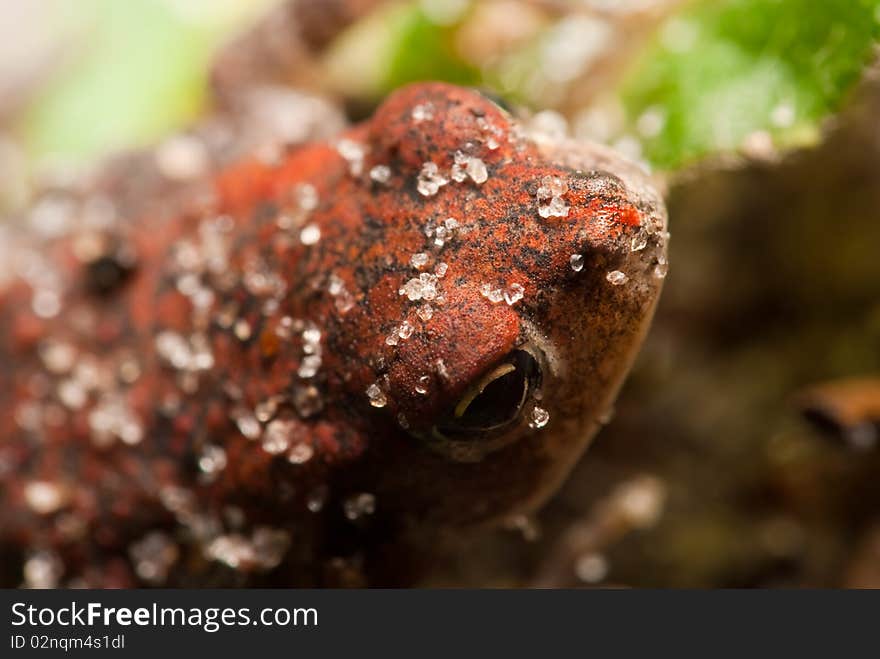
<point x="495" y="401"/>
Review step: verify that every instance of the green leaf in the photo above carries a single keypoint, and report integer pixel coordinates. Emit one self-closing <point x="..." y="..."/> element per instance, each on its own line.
<point x="425" y="50"/>
<point x="724" y="69"/>
<point x="134" y="70"/>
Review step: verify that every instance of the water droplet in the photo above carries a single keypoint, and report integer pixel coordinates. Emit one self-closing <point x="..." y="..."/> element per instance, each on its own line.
<point x="112" y="418"/>
<point x="549" y="195"/>
<point x="278" y="434"/>
<point x="57" y="357"/>
<point x="556" y="208"/>
<point x="344" y="302"/>
<point x="616" y="277"/>
<point x="353" y="153"/>
<point x="576" y="261"/>
<point x="266" y="409"/>
<point x="335" y="285"/>
<point x="458" y="172"/>
<point x="300" y="453"/>
<point x="513" y="294"/>
<point x="639" y="242"/>
<point x="44" y="497"/>
<point x="182" y="157"/>
<point x="493" y="294"/>
<point x="641" y="500"/>
<point x="46" y="303"/>
<point x="430" y="180"/>
<point x="309" y="366"/>
<point x="311" y="336"/>
<point x="310" y="234"/>
<point x="212" y="460"/>
<point x="376" y="396"/>
<point x="359" y="505"/>
<point x="591" y="568"/>
<point x="405" y="330"/>
<point x="153" y="556"/>
<point x="540" y="417"/>
<point x="606" y="417"/>
<point x="423" y="288"/>
<point x="307" y="401"/>
<point x="476" y="169"/>
<point x="233" y="550"/>
<point x="174" y="349"/>
<point x="423" y="112"/>
<point x="71" y="394"/>
<point x="440" y="366"/>
<point x="247" y="424"/>
<point x="527" y="526"/>
<point x="43" y="569"/>
<point x="129" y="430"/>
<point x="129" y="370"/>
<point x="200" y="356"/>
<point x="380" y="174"/>
<point x="306" y="196"/>
<point x="552" y="186"/>
<point x="317" y="498"/>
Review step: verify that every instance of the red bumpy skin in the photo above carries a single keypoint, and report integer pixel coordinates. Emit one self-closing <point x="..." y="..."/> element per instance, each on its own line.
<point x="273" y="382"/>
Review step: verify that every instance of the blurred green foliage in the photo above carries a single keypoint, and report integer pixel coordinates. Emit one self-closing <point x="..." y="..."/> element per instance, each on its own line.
<point x="424" y="50"/>
<point x="721" y="70"/>
<point x="713" y="74"/>
<point x="134" y="70"/>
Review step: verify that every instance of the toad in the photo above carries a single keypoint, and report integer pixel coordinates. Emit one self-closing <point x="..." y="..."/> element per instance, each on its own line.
<point x="328" y="357"/>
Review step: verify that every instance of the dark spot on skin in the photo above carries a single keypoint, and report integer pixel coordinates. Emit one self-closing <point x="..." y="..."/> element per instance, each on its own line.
<point x="107" y="273"/>
<point x="265" y="212"/>
<point x="529" y="256"/>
